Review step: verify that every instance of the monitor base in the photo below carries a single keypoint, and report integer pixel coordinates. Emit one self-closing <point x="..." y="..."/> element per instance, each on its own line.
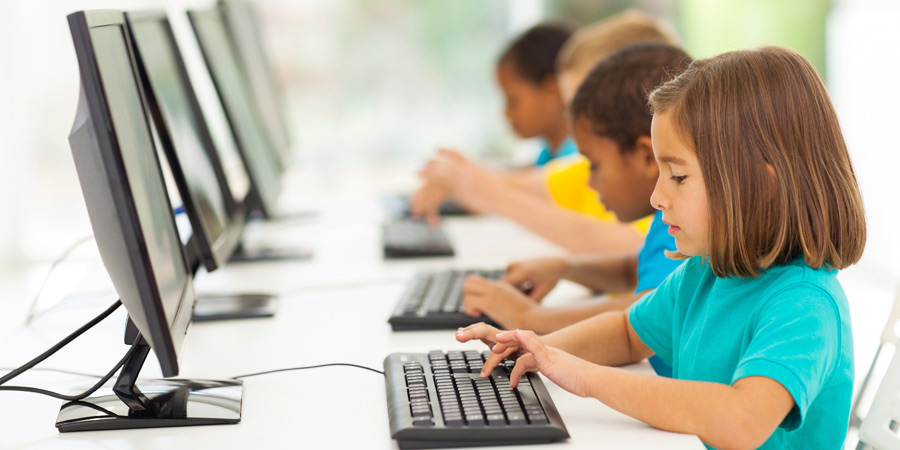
<point x="173" y="403"/>
<point x="257" y="254"/>
<point x="229" y="307"/>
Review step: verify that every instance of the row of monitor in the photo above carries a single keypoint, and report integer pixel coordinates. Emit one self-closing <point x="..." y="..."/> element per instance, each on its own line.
<point x="136" y="98"/>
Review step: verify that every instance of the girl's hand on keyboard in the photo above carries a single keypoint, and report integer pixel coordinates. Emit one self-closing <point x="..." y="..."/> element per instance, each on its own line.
<point x="488" y="335"/>
<point x="562" y="368"/>
<point x="505" y="304"/>
<point x="481" y="331"/>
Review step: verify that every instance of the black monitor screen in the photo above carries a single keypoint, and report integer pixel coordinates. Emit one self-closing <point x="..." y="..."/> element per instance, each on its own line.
<point x="141" y="166"/>
<point x="124" y="190"/>
<point x="151" y="40"/>
<point x="259" y="155"/>
<point x="247" y="37"/>
<point x="185" y="138"/>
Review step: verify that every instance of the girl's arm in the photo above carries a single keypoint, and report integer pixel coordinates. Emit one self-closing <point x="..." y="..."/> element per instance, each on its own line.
<point x="606" y="339"/>
<point x="739" y="416"/>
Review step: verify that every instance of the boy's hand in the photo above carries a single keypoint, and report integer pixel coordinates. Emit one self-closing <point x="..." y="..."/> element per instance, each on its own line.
<point x="505" y="304"/>
<point x="539" y="275"/>
<point x="463" y="179"/>
<point x="426" y="201"/>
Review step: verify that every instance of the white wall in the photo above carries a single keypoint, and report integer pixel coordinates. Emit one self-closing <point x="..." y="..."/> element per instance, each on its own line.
<point x="864" y="72"/>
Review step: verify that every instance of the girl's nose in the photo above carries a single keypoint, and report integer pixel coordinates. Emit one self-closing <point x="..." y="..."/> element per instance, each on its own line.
<point x="657" y="199"/>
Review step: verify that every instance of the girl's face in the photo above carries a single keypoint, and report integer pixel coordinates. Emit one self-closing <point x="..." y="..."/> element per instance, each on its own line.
<point x="680" y="189"/>
<point x="531" y="109"/>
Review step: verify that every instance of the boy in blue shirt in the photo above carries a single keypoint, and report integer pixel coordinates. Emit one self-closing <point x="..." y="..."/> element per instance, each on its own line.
<point x="611" y="125"/>
<point x="757" y="187"/>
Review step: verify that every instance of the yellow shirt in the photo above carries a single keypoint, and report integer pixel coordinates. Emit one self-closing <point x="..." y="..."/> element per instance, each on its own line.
<point x="567" y="180"/>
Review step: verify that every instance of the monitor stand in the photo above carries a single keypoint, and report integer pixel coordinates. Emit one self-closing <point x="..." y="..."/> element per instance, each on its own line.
<point x="234" y="306"/>
<point x="257" y="254"/>
<point x="226" y="306"/>
<point x="153" y="403"/>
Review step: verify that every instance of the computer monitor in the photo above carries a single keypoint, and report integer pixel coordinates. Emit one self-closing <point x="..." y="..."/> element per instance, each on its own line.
<point x="217" y="218"/>
<point x="135" y="230"/>
<point x="242" y="23"/>
<point x="259" y="154"/>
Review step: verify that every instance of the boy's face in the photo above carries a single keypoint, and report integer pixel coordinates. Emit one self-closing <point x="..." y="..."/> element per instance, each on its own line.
<point x="624" y="182"/>
<point x="681" y="190"/>
<point x="531" y="109"/>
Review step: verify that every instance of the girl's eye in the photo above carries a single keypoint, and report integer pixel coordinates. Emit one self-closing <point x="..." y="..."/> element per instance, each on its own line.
<point x="594" y="167"/>
<point x="678" y="179"/>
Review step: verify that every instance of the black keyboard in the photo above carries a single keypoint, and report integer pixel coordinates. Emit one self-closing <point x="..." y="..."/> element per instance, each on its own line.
<point x="440" y="400"/>
<point x="406" y="238"/>
<point x="434" y="301"/>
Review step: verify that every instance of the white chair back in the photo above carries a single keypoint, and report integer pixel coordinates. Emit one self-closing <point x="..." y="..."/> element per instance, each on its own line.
<point x="879" y="428"/>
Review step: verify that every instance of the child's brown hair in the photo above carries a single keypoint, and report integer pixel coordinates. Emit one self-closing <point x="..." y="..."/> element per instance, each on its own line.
<point x="613" y="97"/>
<point x="534" y="53"/>
<point x="778" y="175"/>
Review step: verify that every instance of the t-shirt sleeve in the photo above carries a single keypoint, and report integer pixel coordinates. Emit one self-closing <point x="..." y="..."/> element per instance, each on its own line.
<point x="651" y="317"/>
<point x="796" y="341"/>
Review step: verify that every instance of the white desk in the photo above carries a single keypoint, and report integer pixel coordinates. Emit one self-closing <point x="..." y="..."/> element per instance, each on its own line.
<point x="333" y="308"/>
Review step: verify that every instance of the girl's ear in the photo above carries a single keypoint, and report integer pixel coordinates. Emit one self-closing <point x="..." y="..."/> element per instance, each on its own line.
<point x="643" y="152"/>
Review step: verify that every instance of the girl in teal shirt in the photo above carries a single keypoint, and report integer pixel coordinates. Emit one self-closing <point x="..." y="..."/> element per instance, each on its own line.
<point x="757" y="188"/>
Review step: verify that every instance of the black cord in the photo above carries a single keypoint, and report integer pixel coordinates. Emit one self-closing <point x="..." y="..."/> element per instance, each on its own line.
<point x="61" y="343"/>
<point x="64" y="371"/>
<point x="306" y="367"/>
<point x="62" y="257"/>
<point x="81" y="395"/>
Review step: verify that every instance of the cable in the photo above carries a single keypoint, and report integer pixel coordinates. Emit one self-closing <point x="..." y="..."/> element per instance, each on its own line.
<point x="62" y="257"/>
<point x="60" y="344"/>
<point x="306" y="367"/>
<point x="81" y="395"/>
<point x="64" y="371"/>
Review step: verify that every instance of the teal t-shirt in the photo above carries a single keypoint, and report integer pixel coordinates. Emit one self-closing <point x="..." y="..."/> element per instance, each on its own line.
<point x="546" y="155"/>
<point x="791" y="324"/>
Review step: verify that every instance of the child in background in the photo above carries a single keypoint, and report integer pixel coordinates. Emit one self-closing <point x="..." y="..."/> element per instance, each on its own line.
<point x="757" y="187"/>
<point x="527" y="76"/>
<point x="566" y="180"/>
<point x="611" y="124"/>
<point x="528" y="200"/>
